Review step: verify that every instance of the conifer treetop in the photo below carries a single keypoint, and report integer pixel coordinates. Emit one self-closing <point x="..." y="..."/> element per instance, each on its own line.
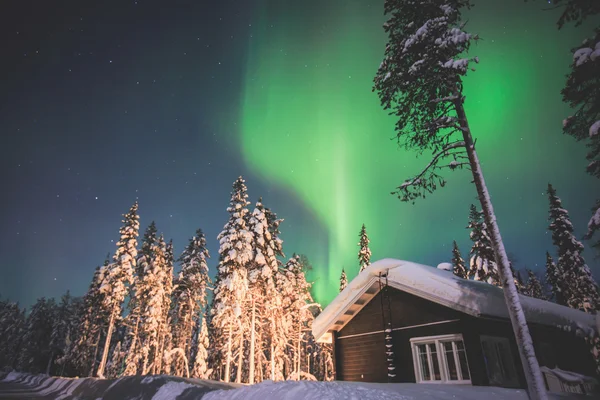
<point x="343" y="280"/>
<point x="364" y="254"/>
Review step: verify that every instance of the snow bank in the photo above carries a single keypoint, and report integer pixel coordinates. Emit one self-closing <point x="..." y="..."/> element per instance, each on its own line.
<point x="171" y="390"/>
<point x="13" y="376"/>
<point x="471" y="297"/>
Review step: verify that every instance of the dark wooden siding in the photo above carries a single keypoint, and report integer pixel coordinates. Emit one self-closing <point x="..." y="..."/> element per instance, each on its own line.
<point x="363" y="358"/>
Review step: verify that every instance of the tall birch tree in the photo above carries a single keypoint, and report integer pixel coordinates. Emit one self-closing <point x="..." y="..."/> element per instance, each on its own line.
<point x="421" y="82"/>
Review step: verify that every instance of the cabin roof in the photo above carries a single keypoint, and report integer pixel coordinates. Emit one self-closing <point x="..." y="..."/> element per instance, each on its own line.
<point x="478" y="299"/>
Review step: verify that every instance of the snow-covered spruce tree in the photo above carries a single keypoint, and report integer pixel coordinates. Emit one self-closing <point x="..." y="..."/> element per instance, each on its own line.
<point x="200" y="367"/>
<point x="581" y="93"/>
<point x="35" y="352"/>
<point x="137" y="302"/>
<point x="12" y="323"/>
<point x="420" y="80"/>
<point x="534" y="287"/>
<point x="61" y="326"/>
<point x="118" y="276"/>
<point x="91" y="320"/>
<point x="482" y="264"/>
<point x="231" y="282"/>
<point x="260" y="297"/>
<point x="297" y="300"/>
<point x="343" y="280"/>
<point x="151" y="321"/>
<point x="115" y="365"/>
<point x="580" y="291"/>
<point x="517" y="279"/>
<point x="555" y="278"/>
<point x="164" y="354"/>
<point x="364" y="254"/>
<point x="458" y="264"/>
<point x="189" y="295"/>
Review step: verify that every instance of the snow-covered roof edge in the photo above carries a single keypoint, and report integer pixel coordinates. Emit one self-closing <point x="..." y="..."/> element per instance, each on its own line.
<point x="474" y="298"/>
<point x="356" y="287"/>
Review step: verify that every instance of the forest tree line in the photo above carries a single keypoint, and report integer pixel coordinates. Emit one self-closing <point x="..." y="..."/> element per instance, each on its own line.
<point x="139" y="318"/>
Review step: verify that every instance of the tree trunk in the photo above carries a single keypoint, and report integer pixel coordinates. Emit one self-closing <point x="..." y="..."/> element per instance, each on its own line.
<point x="252" y="339"/>
<point x="49" y="363"/>
<point x="533" y="375"/>
<point x="238" y="377"/>
<point x="272" y="360"/>
<point x="228" y="358"/>
<point x="111" y="326"/>
<point x="298" y="351"/>
<point x="91" y="371"/>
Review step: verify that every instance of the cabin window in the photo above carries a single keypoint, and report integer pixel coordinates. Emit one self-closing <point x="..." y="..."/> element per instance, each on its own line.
<point x="544" y="352"/>
<point x="499" y="362"/>
<point x="440" y="359"/>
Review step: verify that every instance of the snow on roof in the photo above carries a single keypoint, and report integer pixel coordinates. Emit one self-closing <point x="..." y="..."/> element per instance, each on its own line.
<point x="475" y="298"/>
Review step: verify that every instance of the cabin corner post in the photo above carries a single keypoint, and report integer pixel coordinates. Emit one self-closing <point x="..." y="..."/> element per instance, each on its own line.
<point x="334" y="351"/>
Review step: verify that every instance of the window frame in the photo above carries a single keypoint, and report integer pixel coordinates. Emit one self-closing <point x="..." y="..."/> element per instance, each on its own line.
<point x="439" y="341"/>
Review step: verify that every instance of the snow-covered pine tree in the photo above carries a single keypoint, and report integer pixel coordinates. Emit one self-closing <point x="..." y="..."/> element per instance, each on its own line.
<point x="482" y="265"/>
<point x="12" y="323"/>
<point x="151" y="289"/>
<point x="61" y="325"/>
<point x="116" y="363"/>
<point x="263" y="299"/>
<point x="118" y="276"/>
<point x="517" y="279"/>
<point x="200" y="368"/>
<point x="580" y="291"/>
<point x="534" y="287"/>
<point x="137" y="302"/>
<point x="261" y="271"/>
<point x="458" y="264"/>
<point x="364" y="254"/>
<point x="92" y="318"/>
<point x="164" y="334"/>
<point x="580" y="92"/>
<point x="420" y="82"/>
<point x="189" y="296"/>
<point x="343" y="280"/>
<point x="35" y="352"/>
<point x="555" y="278"/>
<point x="231" y="282"/>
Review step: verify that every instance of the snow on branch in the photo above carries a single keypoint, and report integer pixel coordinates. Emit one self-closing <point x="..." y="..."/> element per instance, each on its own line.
<point x="427" y="180"/>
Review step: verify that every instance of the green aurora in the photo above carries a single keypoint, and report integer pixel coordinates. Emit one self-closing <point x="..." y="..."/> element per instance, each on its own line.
<point x="311" y="124"/>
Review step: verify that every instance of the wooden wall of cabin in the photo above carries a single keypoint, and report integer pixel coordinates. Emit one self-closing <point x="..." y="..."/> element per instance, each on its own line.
<point x="362" y="357"/>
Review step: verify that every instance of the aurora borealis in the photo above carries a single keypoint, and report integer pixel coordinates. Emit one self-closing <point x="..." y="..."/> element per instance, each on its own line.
<point x="277" y="91"/>
<point x="307" y="95"/>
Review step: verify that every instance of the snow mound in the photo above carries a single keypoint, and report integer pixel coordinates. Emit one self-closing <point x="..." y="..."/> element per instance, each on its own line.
<point x="445" y="267"/>
<point x="171" y="390"/>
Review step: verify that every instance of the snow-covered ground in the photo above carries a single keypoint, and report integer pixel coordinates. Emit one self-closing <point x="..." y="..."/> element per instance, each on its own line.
<point x="308" y="390"/>
<point x="170" y="388"/>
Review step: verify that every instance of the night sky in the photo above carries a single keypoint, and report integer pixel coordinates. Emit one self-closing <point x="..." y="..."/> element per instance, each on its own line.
<point x="168" y="102"/>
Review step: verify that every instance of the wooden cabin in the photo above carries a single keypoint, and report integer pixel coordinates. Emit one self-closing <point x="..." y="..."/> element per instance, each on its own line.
<point x="399" y="321"/>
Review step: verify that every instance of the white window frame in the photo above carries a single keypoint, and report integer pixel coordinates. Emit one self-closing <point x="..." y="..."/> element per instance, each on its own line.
<point x="442" y="359"/>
